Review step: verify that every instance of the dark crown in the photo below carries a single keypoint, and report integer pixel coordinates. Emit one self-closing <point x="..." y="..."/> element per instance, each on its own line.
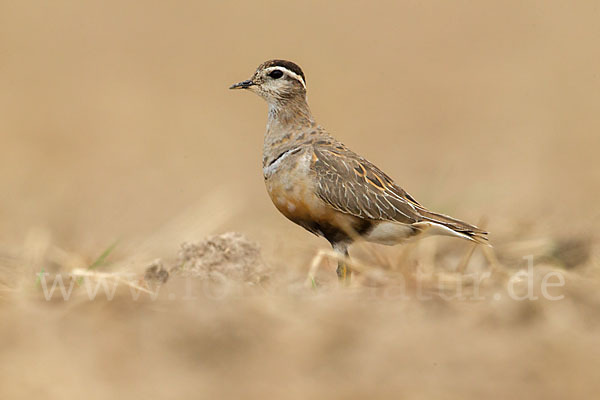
<point x="285" y="64"/>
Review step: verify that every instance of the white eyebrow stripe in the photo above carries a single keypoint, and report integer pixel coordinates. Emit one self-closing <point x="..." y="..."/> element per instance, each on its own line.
<point x="291" y="73"/>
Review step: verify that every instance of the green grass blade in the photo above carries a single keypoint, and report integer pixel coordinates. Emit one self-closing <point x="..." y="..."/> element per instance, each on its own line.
<point x="100" y="260"/>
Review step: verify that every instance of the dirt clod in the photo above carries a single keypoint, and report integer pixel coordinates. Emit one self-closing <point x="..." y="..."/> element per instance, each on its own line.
<point x="156" y="272"/>
<point x="230" y="255"/>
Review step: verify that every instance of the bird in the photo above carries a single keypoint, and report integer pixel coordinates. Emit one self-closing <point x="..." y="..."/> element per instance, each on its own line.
<point x="320" y="184"/>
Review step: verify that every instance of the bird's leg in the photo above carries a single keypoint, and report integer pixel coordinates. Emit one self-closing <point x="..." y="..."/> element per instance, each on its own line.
<point x="344" y="272"/>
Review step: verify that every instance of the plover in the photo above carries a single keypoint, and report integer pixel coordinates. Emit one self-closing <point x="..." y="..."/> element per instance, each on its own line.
<point x="321" y="185"/>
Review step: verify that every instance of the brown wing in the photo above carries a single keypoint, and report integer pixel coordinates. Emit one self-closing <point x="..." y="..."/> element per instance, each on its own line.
<point x="353" y="185"/>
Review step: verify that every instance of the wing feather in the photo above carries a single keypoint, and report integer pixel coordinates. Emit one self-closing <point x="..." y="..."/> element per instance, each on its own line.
<point x="353" y="185"/>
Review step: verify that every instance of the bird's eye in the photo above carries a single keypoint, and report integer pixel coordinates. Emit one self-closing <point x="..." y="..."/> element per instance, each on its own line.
<point x="276" y="74"/>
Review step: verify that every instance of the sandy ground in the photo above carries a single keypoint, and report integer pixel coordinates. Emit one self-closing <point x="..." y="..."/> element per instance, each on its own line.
<point x="122" y="149"/>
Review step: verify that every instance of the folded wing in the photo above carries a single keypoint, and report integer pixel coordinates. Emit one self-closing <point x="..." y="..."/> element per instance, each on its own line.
<point x="353" y="185"/>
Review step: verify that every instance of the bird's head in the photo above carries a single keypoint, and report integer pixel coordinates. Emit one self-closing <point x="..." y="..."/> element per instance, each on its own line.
<point x="277" y="81"/>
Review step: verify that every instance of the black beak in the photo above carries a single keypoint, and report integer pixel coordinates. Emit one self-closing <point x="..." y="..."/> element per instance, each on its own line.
<point x="242" y="85"/>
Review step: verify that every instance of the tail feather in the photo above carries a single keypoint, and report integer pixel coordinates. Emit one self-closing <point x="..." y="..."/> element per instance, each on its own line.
<point x="453" y="227"/>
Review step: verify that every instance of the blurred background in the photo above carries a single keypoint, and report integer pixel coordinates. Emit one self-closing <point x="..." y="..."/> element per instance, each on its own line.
<point x="116" y="124"/>
<point x="115" y="116"/>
